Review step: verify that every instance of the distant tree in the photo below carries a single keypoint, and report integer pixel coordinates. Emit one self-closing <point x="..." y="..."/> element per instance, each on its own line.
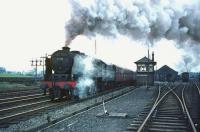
<point x="30" y="73"/>
<point x="19" y="73"/>
<point x="2" y="70"/>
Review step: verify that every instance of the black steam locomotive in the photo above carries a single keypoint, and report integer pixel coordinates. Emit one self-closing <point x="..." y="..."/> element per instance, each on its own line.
<point x="71" y="74"/>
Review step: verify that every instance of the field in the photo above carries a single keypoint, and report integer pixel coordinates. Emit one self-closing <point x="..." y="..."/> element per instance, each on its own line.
<point x="12" y="75"/>
<point x="6" y="86"/>
<point x="15" y="85"/>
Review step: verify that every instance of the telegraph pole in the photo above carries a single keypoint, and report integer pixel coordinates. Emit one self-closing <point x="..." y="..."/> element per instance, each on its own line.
<point x="43" y="64"/>
<point x="95" y="47"/>
<point x="148" y="68"/>
<point x="36" y="63"/>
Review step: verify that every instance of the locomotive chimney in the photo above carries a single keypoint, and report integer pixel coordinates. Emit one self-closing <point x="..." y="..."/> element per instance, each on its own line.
<point x="66" y="48"/>
<point x="152" y="56"/>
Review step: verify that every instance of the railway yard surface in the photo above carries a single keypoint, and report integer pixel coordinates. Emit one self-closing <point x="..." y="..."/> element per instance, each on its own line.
<point x="163" y="107"/>
<point x="78" y="118"/>
<point x="131" y="103"/>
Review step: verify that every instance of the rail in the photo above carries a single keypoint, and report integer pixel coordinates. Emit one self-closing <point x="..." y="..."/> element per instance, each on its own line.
<point x="182" y="103"/>
<point x="19" y="97"/>
<point x="187" y="112"/>
<point x="142" y="126"/>
<point x="198" y="88"/>
<point x="148" y="116"/>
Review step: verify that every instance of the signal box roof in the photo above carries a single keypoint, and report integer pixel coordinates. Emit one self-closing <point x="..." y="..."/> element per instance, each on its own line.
<point x="145" y="60"/>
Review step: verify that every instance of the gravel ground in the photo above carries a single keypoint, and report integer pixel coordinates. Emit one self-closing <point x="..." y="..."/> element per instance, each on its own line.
<point x="132" y="104"/>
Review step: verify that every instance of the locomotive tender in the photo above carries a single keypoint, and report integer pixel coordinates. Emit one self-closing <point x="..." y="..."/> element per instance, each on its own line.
<point x="72" y="74"/>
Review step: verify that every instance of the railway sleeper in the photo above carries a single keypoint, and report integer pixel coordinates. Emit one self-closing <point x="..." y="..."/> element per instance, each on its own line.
<point x="176" y="125"/>
<point x="170" y="115"/>
<point x="147" y="108"/>
<point x="165" y="126"/>
<point x="163" y="112"/>
<point x="169" y="123"/>
<point x="139" y="119"/>
<point x="168" y="120"/>
<point x="132" y="128"/>
<point x="143" y="115"/>
<point x="144" y="112"/>
<point x="137" y="122"/>
<point x="165" y="130"/>
<point x="169" y="108"/>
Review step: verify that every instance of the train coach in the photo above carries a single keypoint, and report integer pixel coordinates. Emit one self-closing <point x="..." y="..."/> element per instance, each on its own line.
<point x="71" y="74"/>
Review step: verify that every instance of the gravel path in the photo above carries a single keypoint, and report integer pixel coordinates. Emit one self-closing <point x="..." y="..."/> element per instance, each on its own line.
<point x="132" y="104"/>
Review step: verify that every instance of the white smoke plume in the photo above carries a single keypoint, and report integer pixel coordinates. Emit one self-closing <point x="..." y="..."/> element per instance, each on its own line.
<point x="88" y="69"/>
<point x="86" y="87"/>
<point x="145" y="20"/>
<point x="139" y="19"/>
<point x="187" y="60"/>
<point x="83" y="66"/>
<point x="190" y="60"/>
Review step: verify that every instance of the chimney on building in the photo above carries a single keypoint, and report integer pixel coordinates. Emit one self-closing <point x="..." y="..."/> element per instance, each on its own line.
<point x="152" y="56"/>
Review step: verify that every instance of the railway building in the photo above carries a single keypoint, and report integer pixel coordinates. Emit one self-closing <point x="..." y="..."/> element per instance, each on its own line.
<point x="145" y="70"/>
<point x="165" y="73"/>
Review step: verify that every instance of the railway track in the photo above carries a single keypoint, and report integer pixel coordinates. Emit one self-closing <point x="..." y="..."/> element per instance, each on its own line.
<point x="169" y="113"/>
<point x="16" y="104"/>
<point x="18" y="93"/>
<point x="34" y="108"/>
<point x="17" y="107"/>
<point x="15" y="101"/>
<point x="192" y="101"/>
<point x="22" y="108"/>
<point x="26" y="108"/>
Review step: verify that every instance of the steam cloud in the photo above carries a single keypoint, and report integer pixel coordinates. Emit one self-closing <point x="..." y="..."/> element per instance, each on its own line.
<point x="187" y="60"/>
<point x="87" y="68"/>
<point x="83" y="66"/>
<point x="145" y="20"/>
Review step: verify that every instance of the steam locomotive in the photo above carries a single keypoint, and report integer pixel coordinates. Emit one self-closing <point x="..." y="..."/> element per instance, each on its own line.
<point x="71" y="74"/>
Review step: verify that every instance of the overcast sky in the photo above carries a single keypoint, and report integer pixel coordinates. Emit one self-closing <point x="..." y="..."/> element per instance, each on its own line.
<point x="31" y="28"/>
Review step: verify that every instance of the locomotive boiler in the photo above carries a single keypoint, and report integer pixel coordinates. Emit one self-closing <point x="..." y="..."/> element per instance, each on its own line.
<point x="71" y="74"/>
